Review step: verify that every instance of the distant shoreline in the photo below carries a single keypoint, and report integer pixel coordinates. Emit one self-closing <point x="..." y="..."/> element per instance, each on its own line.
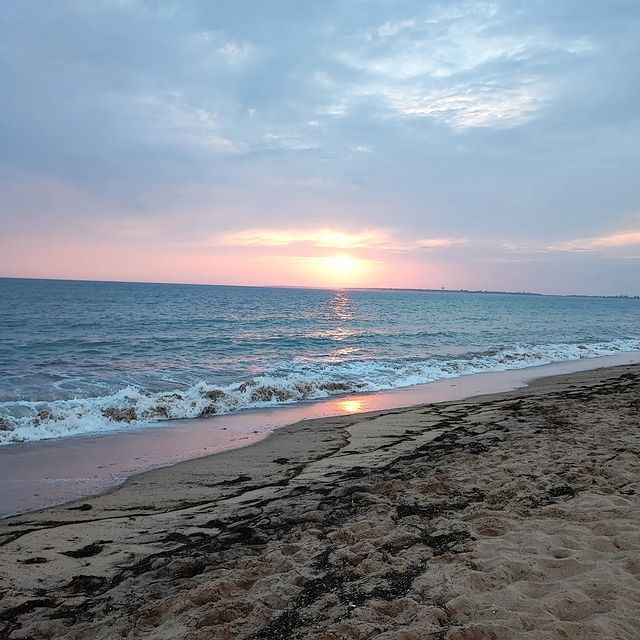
<point x="501" y="293"/>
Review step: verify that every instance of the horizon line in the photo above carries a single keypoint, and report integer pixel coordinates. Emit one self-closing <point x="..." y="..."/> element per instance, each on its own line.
<point x="330" y="288"/>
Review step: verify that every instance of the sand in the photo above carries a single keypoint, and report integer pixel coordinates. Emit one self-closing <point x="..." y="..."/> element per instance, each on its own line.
<point x="507" y="516"/>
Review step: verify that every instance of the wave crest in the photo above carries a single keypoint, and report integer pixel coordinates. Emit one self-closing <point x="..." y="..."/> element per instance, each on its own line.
<point x="24" y="421"/>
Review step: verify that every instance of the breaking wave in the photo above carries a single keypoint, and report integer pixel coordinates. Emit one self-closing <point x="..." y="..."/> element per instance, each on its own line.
<point x="26" y="421"/>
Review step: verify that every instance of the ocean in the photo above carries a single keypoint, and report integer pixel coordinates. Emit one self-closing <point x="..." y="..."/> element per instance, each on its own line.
<point x="91" y="357"/>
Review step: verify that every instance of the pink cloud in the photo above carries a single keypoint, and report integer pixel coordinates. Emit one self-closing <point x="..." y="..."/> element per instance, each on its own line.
<point x="331" y="238"/>
<point x="440" y="243"/>
<point x="325" y="237"/>
<point x="611" y="241"/>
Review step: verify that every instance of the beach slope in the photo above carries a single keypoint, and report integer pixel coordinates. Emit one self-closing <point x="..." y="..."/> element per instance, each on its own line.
<point x="502" y="517"/>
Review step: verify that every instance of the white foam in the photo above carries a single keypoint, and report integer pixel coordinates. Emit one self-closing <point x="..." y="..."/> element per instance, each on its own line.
<point x="26" y="421"/>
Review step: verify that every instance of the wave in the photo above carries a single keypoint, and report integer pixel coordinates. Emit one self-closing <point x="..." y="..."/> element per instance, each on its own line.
<point x="27" y="421"/>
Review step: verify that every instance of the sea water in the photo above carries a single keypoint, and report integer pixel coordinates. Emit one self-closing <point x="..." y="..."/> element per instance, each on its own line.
<point x="91" y="357"/>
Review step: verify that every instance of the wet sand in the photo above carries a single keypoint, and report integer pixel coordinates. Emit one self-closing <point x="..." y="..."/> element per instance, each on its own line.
<point x="40" y="474"/>
<point x="506" y="516"/>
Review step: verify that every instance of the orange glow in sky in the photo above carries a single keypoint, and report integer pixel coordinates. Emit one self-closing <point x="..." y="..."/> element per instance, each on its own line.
<point x="318" y="258"/>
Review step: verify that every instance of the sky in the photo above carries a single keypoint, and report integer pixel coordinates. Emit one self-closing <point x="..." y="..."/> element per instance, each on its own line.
<point x="378" y="143"/>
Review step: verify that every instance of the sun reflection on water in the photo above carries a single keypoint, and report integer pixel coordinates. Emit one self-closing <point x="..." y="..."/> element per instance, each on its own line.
<point x="351" y="406"/>
<point x="341" y="306"/>
<point x="337" y="326"/>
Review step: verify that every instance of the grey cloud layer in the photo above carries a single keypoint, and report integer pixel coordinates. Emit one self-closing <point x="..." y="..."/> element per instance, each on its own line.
<point x="194" y="77"/>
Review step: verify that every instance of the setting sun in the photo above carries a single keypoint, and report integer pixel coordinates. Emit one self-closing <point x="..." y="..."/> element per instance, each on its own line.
<point x="342" y="266"/>
<point x="338" y="270"/>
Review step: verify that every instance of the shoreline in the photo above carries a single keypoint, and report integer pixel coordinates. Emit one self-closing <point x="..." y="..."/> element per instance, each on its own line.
<point x="47" y="473"/>
<point x="513" y="515"/>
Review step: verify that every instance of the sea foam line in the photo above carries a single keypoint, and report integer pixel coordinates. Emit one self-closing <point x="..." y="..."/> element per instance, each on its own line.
<point x="27" y="421"/>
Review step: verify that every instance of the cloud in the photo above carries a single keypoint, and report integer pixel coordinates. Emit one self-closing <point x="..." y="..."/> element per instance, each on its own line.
<point x="389" y="29"/>
<point x="383" y="239"/>
<point x="235" y="51"/>
<point x="463" y="38"/>
<point x="440" y="243"/>
<point x="288" y="142"/>
<point x="179" y="83"/>
<point x="610" y="241"/>
<point x="469" y="105"/>
<point x="425" y="69"/>
<point x="318" y="237"/>
<point x="456" y="51"/>
<point x="380" y="239"/>
<point x="168" y="120"/>
<point x="456" y="11"/>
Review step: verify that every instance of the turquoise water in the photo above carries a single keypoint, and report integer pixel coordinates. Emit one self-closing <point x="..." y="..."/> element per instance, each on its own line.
<point x="87" y="357"/>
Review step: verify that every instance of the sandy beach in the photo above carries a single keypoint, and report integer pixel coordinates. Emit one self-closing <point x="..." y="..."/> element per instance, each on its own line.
<point x="505" y="516"/>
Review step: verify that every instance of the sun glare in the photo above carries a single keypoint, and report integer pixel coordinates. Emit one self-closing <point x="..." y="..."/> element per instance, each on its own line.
<point x="342" y="267"/>
<point x="341" y="270"/>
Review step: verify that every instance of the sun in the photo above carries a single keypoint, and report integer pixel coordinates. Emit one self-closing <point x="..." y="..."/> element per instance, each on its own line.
<point x="342" y="267"/>
<point x="338" y="270"/>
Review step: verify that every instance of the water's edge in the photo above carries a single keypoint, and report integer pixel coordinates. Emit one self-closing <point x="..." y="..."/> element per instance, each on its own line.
<point x="51" y="472"/>
<point x="130" y="407"/>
